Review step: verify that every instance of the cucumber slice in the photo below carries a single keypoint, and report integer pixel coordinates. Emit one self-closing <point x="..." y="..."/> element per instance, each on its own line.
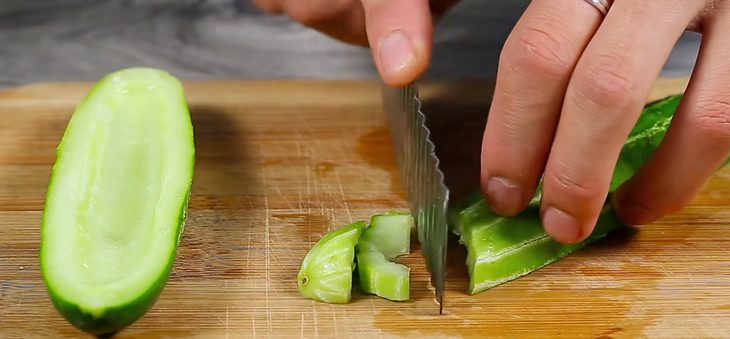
<point x="117" y="200"/>
<point x="383" y="278"/>
<point x="387" y="237"/>
<point x="326" y="271"/>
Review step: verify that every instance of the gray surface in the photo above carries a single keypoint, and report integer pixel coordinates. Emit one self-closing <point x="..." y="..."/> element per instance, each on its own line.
<point x="66" y="40"/>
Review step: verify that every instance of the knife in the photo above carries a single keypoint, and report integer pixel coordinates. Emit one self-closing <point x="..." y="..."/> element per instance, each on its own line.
<point x="423" y="180"/>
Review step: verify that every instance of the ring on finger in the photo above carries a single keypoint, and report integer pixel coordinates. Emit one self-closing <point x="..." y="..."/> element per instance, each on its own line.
<point x="601" y="5"/>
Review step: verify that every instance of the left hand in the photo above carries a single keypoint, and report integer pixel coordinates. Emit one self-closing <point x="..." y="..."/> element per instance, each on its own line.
<point x="570" y="87"/>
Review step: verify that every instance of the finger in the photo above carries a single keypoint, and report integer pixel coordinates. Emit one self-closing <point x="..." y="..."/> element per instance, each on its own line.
<point x="400" y="35"/>
<point x="697" y="142"/>
<point x="605" y="95"/>
<point x="535" y="66"/>
<point x="342" y="19"/>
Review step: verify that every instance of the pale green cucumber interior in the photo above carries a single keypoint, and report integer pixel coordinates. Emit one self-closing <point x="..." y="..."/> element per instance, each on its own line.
<point x="389" y="234"/>
<point x="382" y="277"/>
<point x="120" y="184"/>
<point x="387" y="237"/>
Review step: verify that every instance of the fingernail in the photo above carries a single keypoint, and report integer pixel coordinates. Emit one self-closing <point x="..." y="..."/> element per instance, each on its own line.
<point x="396" y="52"/>
<point x="504" y="196"/>
<point x="561" y="226"/>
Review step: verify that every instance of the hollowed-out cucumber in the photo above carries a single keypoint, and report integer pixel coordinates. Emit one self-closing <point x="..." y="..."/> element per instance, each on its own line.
<point x="117" y="200"/>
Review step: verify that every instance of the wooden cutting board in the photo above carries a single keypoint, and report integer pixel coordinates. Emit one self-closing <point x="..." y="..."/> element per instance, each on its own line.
<point x="281" y="162"/>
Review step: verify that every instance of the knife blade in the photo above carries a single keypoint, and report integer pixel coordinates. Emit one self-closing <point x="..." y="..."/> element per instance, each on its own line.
<point x="422" y="177"/>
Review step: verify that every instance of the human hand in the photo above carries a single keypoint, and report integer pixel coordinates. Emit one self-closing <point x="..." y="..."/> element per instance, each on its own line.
<point x="570" y="87"/>
<point x="400" y="33"/>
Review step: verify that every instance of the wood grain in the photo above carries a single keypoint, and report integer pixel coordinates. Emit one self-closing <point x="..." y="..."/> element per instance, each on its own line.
<point x="280" y="163"/>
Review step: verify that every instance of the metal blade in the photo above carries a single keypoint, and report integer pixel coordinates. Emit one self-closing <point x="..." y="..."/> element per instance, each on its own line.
<point x="424" y="181"/>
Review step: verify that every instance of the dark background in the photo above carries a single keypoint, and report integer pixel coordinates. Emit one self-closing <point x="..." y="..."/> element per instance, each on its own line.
<point x="66" y="40"/>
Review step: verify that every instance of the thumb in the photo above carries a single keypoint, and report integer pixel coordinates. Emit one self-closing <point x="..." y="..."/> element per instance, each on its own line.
<point x="400" y="35"/>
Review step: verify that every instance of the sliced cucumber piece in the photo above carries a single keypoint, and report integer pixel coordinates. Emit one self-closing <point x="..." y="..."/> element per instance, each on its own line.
<point x="503" y="249"/>
<point x="383" y="278"/>
<point x="117" y="200"/>
<point x="387" y="237"/>
<point x="326" y="271"/>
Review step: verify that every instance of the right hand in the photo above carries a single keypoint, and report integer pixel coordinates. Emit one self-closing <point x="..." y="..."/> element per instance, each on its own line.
<point x="400" y="33"/>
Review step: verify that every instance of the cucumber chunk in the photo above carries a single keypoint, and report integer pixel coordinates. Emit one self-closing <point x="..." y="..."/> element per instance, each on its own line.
<point x="326" y="271"/>
<point x="502" y="249"/>
<point x="387" y="237"/>
<point x="117" y="200"/>
<point x="383" y="278"/>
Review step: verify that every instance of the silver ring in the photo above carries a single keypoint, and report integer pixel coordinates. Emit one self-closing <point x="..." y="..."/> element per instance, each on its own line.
<point x="602" y="5"/>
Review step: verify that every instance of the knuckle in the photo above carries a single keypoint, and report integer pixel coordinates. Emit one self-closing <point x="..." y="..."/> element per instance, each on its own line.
<point x="608" y="83"/>
<point x="538" y="50"/>
<point x="712" y="118"/>
<point x="572" y="188"/>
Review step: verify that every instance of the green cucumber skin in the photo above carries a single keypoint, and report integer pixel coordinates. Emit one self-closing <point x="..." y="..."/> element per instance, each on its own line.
<point x="309" y="279"/>
<point x="487" y="269"/>
<point x="491" y="267"/>
<point x="117" y="318"/>
<point x="114" y="319"/>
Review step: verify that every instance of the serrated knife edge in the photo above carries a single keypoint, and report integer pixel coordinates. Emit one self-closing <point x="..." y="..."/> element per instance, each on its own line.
<point x="422" y="176"/>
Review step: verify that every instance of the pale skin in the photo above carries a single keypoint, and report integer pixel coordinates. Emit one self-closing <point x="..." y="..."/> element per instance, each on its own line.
<point x="570" y="86"/>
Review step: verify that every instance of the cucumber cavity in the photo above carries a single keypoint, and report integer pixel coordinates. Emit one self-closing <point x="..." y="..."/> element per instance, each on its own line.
<point x="117" y="200"/>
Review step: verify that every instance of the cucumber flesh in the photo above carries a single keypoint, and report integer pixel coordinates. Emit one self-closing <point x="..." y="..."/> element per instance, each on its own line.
<point x="389" y="234"/>
<point x="326" y="271"/>
<point x="387" y="237"/>
<point x="383" y="278"/>
<point x="117" y="200"/>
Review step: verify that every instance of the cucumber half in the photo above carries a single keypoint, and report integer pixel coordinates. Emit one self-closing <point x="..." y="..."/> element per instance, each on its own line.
<point x="117" y="200"/>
